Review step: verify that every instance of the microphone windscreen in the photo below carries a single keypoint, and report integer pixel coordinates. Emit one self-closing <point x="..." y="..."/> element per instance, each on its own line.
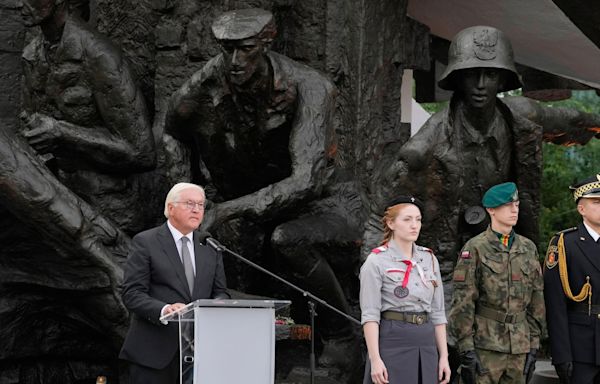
<point x="202" y="235"/>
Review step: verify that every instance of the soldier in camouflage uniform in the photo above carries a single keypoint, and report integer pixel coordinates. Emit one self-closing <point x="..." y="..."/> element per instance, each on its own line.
<point x="497" y="313"/>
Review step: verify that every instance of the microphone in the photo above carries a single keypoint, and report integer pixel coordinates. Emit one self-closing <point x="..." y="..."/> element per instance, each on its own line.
<point x="215" y="244"/>
<point x="202" y="235"/>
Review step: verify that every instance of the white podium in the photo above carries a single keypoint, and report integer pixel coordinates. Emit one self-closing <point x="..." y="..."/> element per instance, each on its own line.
<point x="227" y="341"/>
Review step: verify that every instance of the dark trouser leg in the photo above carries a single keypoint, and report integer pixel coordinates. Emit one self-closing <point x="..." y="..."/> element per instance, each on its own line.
<point x="584" y="373"/>
<point x="139" y="374"/>
<point x="304" y="244"/>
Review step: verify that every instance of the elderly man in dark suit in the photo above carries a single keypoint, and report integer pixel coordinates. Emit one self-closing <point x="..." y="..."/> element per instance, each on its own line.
<point x="167" y="268"/>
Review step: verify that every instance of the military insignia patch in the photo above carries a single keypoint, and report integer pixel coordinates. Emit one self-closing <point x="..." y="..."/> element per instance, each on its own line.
<point x="552" y="257"/>
<point x="459" y="276"/>
<point x="465" y="255"/>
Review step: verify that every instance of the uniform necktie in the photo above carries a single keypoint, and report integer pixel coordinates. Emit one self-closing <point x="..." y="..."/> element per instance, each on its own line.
<point x="187" y="263"/>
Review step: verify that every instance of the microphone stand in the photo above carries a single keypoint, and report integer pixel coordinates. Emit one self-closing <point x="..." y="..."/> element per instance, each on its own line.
<point x="312" y="298"/>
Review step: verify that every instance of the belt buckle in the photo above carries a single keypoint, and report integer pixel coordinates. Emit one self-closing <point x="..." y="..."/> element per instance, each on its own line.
<point x="418" y="319"/>
<point x="509" y="318"/>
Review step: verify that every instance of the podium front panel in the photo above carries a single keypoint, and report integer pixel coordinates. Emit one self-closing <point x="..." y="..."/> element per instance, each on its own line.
<point x="234" y="345"/>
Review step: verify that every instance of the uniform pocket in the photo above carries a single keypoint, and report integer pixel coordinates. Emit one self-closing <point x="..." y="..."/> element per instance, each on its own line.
<point x="494" y="263"/>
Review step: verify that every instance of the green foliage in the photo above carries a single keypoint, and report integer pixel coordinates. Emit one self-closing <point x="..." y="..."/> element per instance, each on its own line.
<point x="562" y="167"/>
<point x="434" y="107"/>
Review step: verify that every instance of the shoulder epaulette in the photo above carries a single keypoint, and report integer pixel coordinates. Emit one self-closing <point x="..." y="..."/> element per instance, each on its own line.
<point x="566" y="231"/>
<point x="422" y="248"/>
<point x="377" y="250"/>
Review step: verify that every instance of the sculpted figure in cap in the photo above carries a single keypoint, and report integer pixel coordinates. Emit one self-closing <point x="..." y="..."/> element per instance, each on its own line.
<point x="259" y="125"/>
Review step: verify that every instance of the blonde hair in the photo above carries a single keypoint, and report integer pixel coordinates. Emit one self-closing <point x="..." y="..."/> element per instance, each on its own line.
<point x="174" y="193"/>
<point x="390" y="214"/>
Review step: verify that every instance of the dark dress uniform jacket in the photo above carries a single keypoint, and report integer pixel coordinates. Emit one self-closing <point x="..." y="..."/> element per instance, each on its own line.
<point x="574" y="335"/>
<point x="154" y="277"/>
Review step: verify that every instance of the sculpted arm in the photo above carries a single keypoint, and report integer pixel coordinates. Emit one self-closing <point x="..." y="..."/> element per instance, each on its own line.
<point x="401" y="171"/>
<point x="561" y="125"/>
<point x="185" y="103"/>
<point x="124" y="134"/>
<point x="310" y="142"/>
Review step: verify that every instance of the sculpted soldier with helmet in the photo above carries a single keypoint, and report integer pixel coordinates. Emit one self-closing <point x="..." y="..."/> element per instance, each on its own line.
<point x="572" y="291"/>
<point x="477" y="141"/>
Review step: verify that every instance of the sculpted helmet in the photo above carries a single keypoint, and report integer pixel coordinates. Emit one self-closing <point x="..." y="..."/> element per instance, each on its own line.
<point x="480" y="47"/>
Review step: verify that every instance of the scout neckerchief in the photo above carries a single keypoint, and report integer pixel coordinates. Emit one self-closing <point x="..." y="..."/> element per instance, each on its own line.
<point x="507" y="240"/>
<point x="401" y="291"/>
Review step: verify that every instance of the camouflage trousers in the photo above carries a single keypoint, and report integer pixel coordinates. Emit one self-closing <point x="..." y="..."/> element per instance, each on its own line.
<point x="501" y="368"/>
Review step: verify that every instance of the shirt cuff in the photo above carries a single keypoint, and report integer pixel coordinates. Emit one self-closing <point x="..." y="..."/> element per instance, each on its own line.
<point x="438" y="318"/>
<point x="162" y="311"/>
<point x="370" y="316"/>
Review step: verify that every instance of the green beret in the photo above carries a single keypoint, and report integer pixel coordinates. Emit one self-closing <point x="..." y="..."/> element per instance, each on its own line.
<point x="243" y="24"/>
<point x="500" y="194"/>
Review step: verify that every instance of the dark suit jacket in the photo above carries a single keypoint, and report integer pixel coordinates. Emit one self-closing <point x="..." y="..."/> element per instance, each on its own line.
<point x="154" y="277"/>
<point x="574" y="335"/>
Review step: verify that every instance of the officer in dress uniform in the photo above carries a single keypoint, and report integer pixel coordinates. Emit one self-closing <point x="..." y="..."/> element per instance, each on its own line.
<point x="497" y="313"/>
<point x="572" y="291"/>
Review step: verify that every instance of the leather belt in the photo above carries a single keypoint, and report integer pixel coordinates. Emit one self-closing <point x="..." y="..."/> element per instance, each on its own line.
<point x="594" y="309"/>
<point x="500" y="316"/>
<point x="408" y="317"/>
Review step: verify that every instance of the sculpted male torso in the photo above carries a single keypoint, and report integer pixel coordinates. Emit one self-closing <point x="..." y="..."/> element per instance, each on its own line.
<point x="83" y="113"/>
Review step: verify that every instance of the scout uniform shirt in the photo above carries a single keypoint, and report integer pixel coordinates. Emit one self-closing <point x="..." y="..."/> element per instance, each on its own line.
<point x="498" y="302"/>
<point x="384" y="270"/>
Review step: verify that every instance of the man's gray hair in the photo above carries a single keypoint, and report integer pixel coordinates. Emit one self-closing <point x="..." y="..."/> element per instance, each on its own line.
<point x="174" y="193"/>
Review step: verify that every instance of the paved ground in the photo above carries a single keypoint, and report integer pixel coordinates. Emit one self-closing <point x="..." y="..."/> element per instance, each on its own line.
<point x="544" y="373"/>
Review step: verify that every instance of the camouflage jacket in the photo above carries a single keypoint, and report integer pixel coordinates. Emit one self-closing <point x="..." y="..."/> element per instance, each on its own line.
<point x="498" y="302"/>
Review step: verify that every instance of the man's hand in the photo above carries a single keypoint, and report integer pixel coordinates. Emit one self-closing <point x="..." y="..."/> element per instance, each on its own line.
<point x="43" y="132"/>
<point x="564" y="371"/>
<point x="470" y="367"/>
<point x="173" y="308"/>
<point x="529" y="368"/>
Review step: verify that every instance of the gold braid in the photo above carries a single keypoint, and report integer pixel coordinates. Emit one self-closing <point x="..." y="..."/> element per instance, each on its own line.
<point x="586" y="290"/>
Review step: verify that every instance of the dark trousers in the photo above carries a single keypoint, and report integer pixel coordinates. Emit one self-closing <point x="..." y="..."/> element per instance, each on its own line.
<point x="139" y="374"/>
<point x="584" y="373"/>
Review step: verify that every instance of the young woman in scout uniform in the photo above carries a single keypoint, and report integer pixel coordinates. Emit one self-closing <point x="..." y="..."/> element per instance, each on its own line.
<point x="402" y="304"/>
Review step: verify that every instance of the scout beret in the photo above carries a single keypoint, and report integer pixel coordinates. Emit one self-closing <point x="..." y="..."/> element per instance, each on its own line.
<point x="500" y="194"/>
<point x="405" y="199"/>
<point x="243" y="24"/>
<point x="587" y="188"/>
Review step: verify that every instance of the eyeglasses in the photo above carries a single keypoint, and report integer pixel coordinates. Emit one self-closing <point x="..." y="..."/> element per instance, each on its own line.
<point x="190" y="205"/>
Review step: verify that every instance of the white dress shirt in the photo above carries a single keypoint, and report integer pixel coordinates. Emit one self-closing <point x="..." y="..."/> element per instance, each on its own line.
<point x="190" y="244"/>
